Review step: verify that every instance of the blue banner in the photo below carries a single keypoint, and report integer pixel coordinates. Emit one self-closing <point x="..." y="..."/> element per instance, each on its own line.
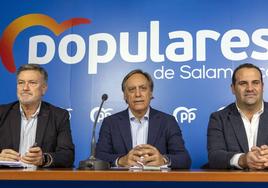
<point x="190" y="47"/>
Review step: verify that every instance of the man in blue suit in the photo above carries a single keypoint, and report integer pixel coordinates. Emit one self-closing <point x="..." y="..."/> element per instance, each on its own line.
<point x="238" y="134"/>
<point x="141" y="135"/>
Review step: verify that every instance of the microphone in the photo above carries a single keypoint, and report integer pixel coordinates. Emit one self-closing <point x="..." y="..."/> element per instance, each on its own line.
<point x="92" y="163"/>
<point x="104" y="97"/>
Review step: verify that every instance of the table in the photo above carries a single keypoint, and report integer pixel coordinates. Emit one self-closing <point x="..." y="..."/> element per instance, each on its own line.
<point x="122" y="178"/>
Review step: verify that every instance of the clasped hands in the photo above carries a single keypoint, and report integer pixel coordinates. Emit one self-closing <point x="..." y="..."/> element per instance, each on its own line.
<point x="143" y="154"/>
<point x="33" y="156"/>
<point x="256" y="158"/>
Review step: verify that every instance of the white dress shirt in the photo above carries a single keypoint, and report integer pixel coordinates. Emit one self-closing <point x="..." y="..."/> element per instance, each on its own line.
<point x="139" y="128"/>
<point x="28" y="130"/>
<point x="251" y="128"/>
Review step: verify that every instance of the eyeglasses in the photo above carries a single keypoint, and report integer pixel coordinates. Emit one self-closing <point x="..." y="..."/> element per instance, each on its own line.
<point x="31" y="83"/>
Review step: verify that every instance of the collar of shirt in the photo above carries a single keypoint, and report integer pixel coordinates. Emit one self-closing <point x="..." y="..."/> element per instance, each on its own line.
<point x="145" y="117"/>
<point x="33" y="115"/>
<point x="258" y="113"/>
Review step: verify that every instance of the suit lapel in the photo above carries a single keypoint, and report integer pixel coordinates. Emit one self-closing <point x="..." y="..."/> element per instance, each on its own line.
<point x="41" y="123"/>
<point x="239" y="129"/>
<point x="154" y="126"/>
<point x="263" y="128"/>
<point x="124" y="128"/>
<point x="15" y="126"/>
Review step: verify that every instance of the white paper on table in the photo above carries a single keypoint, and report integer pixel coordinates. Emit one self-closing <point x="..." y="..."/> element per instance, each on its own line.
<point x="14" y="164"/>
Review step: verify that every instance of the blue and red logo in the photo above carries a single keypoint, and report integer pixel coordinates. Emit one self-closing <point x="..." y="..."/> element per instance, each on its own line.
<point x="18" y="25"/>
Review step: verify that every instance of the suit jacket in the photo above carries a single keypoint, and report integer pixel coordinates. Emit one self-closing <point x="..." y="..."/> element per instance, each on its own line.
<point x="53" y="132"/>
<point x="163" y="133"/>
<point x="227" y="135"/>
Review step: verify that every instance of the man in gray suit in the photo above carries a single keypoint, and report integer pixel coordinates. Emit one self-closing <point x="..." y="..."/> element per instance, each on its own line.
<point x="33" y="131"/>
<point x="238" y="134"/>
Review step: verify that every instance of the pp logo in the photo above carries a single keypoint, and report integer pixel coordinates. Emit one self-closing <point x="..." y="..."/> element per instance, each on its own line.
<point x="185" y="114"/>
<point x="103" y="113"/>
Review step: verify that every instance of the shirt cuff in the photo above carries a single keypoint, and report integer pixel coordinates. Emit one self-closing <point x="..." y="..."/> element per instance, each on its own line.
<point x="234" y="160"/>
<point x="167" y="161"/>
<point x="116" y="162"/>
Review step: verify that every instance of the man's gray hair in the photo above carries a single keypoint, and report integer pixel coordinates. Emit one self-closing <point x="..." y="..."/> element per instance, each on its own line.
<point x="35" y="67"/>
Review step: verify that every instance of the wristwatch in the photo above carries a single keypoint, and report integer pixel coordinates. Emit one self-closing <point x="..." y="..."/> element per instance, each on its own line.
<point x="46" y="159"/>
<point x="166" y="160"/>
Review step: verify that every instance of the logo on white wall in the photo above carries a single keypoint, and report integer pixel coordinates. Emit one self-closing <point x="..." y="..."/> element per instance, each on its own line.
<point x="103" y="113"/>
<point x="183" y="114"/>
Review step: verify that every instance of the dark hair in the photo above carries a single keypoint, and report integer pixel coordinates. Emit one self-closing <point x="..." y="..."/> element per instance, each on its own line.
<point x="245" y="65"/>
<point x="35" y="67"/>
<point x="137" y="71"/>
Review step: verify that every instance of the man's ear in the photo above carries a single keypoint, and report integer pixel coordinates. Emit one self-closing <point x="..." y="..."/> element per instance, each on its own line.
<point x="151" y="95"/>
<point x="125" y="98"/>
<point x="44" y="89"/>
<point x="233" y="89"/>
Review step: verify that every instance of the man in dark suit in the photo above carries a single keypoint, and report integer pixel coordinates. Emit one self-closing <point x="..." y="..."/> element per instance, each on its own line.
<point x="238" y="134"/>
<point x="141" y="135"/>
<point x="32" y="131"/>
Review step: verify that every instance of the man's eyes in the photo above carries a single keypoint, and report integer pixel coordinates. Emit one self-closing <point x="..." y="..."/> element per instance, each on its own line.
<point x="33" y="82"/>
<point x="257" y="82"/>
<point x="142" y="88"/>
<point x="30" y="83"/>
<point x="132" y="89"/>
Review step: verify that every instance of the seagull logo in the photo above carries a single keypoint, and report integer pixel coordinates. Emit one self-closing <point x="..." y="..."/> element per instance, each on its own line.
<point x="18" y="25"/>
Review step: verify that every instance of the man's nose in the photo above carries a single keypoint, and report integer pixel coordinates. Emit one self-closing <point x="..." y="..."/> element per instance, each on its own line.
<point x="138" y="92"/>
<point x="250" y="87"/>
<point x="26" y="86"/>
